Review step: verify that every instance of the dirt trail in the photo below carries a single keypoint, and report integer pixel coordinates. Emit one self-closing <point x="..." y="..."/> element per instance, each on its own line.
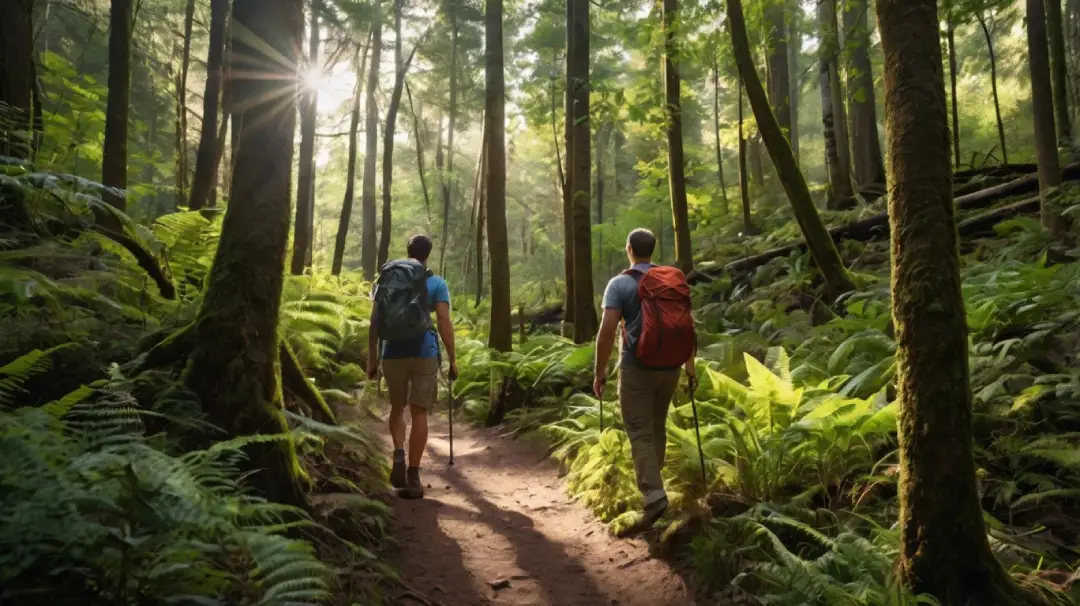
<point x="502" y="514"/>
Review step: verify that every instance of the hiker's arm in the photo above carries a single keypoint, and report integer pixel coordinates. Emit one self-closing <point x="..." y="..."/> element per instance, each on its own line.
<point x="373" y="345"/>
<point x="605" y="341"/>
<point x="446" y="330"/>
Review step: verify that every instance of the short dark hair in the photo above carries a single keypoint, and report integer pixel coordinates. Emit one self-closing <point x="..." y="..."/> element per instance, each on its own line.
<point x="419" y="248"/>
<point x="642" y="243"/>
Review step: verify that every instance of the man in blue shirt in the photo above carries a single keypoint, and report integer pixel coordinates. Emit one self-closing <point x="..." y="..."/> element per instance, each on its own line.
<point x="411" y="368"/>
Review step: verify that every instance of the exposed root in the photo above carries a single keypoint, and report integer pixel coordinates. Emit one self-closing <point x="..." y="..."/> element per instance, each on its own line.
<point x="144" y="258"/>
<point x="292" y="378"/>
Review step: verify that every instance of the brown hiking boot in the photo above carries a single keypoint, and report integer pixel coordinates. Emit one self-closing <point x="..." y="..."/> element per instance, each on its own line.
<point x="414" y="489"/>
<point x="397" y="471"/>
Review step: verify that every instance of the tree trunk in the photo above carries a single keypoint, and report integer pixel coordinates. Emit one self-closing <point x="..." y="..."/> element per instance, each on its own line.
<point x="234" y="368"/>
<point x="777" y="58"/>
<point x="350" y="178"/>
<point x="501" y="336"/>
<point x="833" y="120"/>
<point x="418" y="143"/>
<point x="449" y="180"/>
<point x="16" y="73"/>
<point x="821" y="246"/>
<point x="568" y="187"/>
<point x="950" y="30"/>
<point x="181" y="106"/>
<point x="1042" y="104"/>
<point x="1059" y="71"/>
<point x="865" y="144"/>
<point x="114" y="152"/>
<point x="480" y="197"/>
<point x="580" y="169"/>
<point x="206" y="159"/>
<point x="368" y="244"/>
<point x="305" y="173"/>
<point x="757" y="163"/>
<point x="993" y="87"/>
<point x="944" y="550"/>
<point x="794" y="44"/>
<point x="684" y="257"/>
<point x="716" y="133"/>
<point x="744" y="178"/>
<point x="401" y="68"/>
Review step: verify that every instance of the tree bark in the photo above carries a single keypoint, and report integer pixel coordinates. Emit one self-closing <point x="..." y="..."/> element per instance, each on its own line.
<point x="181" y="106"/>
<point x="944" y="550"/>
<point x="777" y="58"/>
<point x="114" y="152"/>
<point x="580" y="173"/>
<point x="16" y="73"/>
<point x="449" y="179"/>
<point x="1042" y="102"/>
<point x="993" y="87"/>
<point x="305" y="173"/>
<point x="480" y="197"/>
<point x="950" y="33"/>
<point x="568" y="197"/>
<point x="501" y="336"/>
<point x="716" y="133"/>
<point x="821" y="246"/>
<point x="206" y="159"/>
<point x="234" y="368"/>
<point x="865" y="145"/>
<point x="368" y="244"/>
<point x="794" y="45"/>
<point x="684" y="256"/>
<point x="350" y="179"/>
<point x="1059" y="71"/>
<point x="418" y="143"/>
<point x="744" y="178"/>
<point x="757" y="163"/>
<point x="833" y="117"/>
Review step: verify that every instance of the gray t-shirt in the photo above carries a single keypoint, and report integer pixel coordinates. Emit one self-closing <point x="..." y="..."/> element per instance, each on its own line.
<point x="621" y="294"/>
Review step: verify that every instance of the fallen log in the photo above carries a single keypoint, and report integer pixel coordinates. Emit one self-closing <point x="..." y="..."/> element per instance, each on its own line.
<point x="878" y="225"/>
<point x="999" y="170"/>
<point x="983" y="224"/>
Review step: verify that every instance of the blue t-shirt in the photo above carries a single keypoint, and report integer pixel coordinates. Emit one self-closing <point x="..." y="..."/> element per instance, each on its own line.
<point x="426" y="346"/>
<point x="621" y="294"/>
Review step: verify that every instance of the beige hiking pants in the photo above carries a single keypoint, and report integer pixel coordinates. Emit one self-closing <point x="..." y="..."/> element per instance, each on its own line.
<point x="645" y="397"/>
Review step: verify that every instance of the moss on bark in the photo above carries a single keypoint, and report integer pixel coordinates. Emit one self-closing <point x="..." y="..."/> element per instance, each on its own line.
<point x="944" y="549"/>
<point x="234" y="367"/>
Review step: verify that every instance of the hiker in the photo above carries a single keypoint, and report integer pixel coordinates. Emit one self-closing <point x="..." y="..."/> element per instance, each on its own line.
<point x="658" y="338"/>
<point x="405" y="294"/>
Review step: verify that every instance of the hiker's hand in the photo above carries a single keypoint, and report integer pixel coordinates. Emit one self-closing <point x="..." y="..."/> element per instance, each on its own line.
<point x="691" y="380"/>
<point x="598" y="386"/>
<point x="372" y="368"/>
<point x="453" y="370"/>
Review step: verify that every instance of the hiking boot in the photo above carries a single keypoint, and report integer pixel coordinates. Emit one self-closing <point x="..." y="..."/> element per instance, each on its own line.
<point x="653" y="512"/>
<point x="414" y="489"/>
<point x="397" y="472"/>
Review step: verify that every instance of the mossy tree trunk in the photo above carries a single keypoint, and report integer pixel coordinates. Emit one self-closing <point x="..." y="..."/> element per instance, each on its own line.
<point x="114" y="155"/>
<point x="234" y="367"/>
<point x="16" y="71"/>
<point x="206" y="158"/>
<point x="777" y="58"/>
<point x="368" y="243"/>
<point x="1042" y="102"/>
<point x="1059" y="70"/>
<point x="817" y="237"/>
<point x="865" y="144"/>
<point x="305" y="173"/>
<point x="350" y="179"/>
<point x="833" y="116"/>
<point x="944" y="549"/>
<point x="580" y="173"/>
<point x="501" y="336"/>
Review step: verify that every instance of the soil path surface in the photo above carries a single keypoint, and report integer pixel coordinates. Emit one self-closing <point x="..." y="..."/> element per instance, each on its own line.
<point x="499" y="528"/>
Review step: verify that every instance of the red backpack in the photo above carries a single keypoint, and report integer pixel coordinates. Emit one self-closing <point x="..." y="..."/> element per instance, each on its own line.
<point x="666" y="337"/>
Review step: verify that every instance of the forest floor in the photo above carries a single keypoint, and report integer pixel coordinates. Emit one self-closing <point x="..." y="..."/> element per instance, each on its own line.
<point x="499" y="528"/>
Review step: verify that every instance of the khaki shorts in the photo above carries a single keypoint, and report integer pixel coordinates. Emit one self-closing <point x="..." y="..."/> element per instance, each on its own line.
<point x="412" y="381"/>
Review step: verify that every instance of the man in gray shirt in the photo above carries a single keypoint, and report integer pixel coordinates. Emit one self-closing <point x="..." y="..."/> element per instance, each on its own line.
<point x="644" y="394"/>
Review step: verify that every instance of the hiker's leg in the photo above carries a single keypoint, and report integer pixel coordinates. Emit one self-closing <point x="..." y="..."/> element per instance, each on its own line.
<point x="422" y="396"/>
<point x="397" y="384"/>
<point x="636" y="399"/>
<point x="666" y="383"/>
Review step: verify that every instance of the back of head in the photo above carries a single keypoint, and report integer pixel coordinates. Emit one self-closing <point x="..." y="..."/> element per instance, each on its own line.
<point x="419" y="248"/>
<point x="641" y="244"/>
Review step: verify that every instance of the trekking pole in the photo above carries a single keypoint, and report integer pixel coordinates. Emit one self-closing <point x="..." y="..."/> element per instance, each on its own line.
<point x="697" y="431"/>
<point x="450" y="405"/>
<point x="601" y="412"/>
